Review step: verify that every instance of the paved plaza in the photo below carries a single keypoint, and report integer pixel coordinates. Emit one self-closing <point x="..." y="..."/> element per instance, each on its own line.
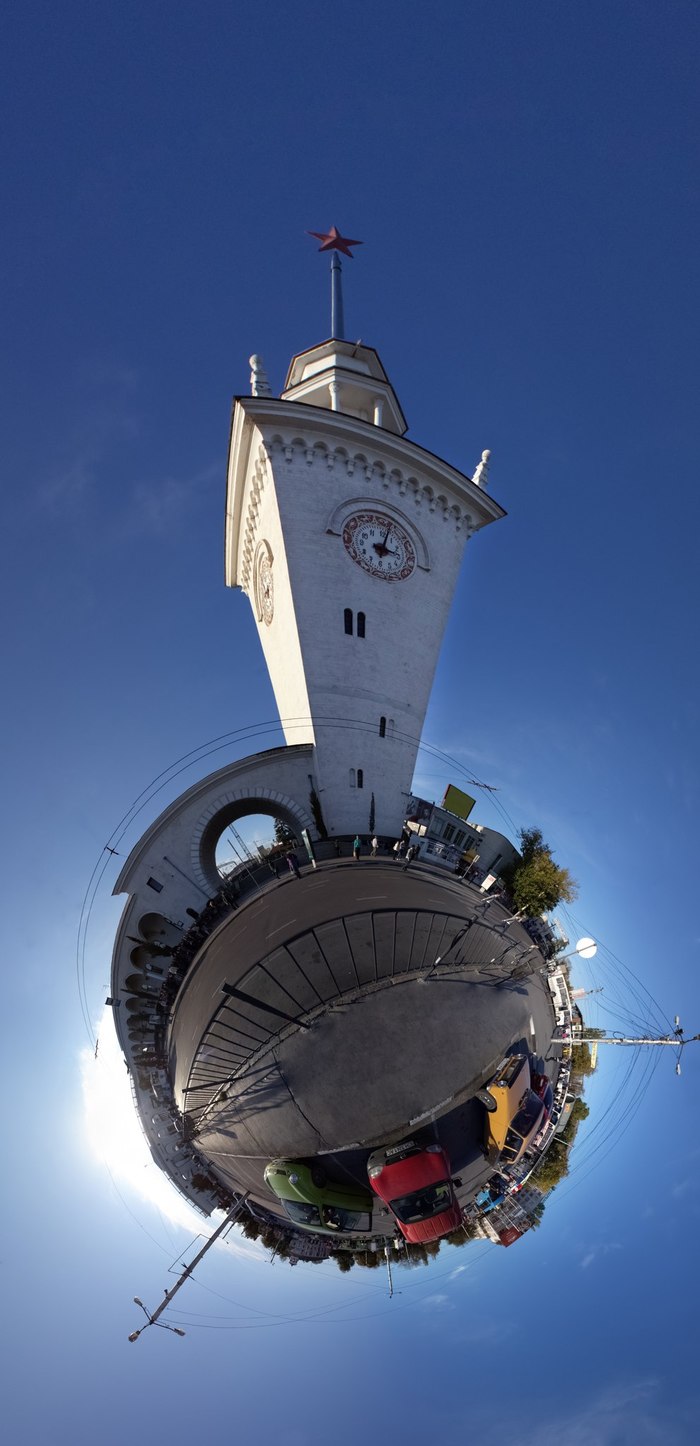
<point x="316" y="1020"/>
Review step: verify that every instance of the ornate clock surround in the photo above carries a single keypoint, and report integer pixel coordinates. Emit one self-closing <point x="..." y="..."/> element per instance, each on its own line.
<point x="263" y="583"/>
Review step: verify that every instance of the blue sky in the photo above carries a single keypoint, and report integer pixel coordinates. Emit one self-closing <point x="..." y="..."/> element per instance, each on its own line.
<point x="523" y="178"/>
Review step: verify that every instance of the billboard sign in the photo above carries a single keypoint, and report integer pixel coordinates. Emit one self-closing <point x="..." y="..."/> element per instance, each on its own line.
<point x="418" y="810"/>
<point x="455" y="801"/>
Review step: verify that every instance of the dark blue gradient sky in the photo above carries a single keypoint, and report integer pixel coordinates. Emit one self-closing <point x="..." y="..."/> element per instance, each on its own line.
<point x="524" y="178"/>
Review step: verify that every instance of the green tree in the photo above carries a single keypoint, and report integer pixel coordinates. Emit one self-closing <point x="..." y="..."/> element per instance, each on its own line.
<point x="531" y="844"/>
<point x="413" y="1254"/>
<point x="559" y="947"/>
<point x="344" y="1261"/>
<point x="464" y="1232"/>
<point x="317" y="812"/>
<point x="536" y="1217"/>
<point x="250" y="1228"/>
<point x="553" y="1167"/>
<point x="581" y="1061"/>
<point x="284" y="834"/>
<point x="368" y="1258"/>
<point x="536" y="882"/>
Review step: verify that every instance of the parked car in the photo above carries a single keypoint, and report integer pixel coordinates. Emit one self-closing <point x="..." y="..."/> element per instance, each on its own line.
<point x="314" y="1202"/>
<point x="542" y="1087"/>
<point x="513" y="1111"/>
<point x="415" y="1182"/>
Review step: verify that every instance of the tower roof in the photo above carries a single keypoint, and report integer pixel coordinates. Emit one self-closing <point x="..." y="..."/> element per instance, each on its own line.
<point x="348" y="377"/>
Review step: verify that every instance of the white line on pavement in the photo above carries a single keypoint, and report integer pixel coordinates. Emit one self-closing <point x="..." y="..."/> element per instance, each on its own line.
<point x="270" y="932"/>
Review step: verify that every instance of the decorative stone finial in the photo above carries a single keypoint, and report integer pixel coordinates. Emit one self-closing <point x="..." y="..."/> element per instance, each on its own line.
<point x="481" y="475"/>
<point x="259" y="385"/>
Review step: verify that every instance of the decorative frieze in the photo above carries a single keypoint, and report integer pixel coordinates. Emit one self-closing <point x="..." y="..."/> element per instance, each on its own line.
<point x="418" y="490"/>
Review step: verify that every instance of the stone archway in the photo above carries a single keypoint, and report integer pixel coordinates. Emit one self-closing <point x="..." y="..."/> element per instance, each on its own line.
<point x="226" y="810"/>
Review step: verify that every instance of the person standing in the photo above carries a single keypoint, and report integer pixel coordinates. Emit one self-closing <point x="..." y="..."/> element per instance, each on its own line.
<point x="375" y="846"/>
<point x="411" y="852"/>
<point x="293" y="866"/>
<point x="356" y="847"/>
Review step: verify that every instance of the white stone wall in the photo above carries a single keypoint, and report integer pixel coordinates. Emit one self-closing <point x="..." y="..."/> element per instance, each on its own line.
<point x="172" y="853"/>
<point x="280" y="640"/>
<point x="496" y="852"/>
<point x="298" y="480"/>
<point x="388" y="673"/>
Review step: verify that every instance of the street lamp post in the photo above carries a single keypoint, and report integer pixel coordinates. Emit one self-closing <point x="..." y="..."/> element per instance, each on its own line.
<point x="152" y="1321"/>
<point x="153" y="1318"/>
<point x="584" y="949"/>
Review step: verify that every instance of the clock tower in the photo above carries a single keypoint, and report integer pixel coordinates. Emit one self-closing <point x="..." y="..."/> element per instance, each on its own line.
<point x="347" y="539"/>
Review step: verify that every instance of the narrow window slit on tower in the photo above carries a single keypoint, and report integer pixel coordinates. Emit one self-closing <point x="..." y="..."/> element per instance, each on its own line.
<point x="360" y="778"/>
<point x="360" y="625"/>
<point x="382" y="727"/>
<point x="352" y="778"/>
<point x="348" y="621"/>
<point x="153" y="884"/>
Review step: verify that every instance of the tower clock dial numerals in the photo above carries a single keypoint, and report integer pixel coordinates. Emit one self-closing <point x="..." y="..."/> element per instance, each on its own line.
<point x="379" y="545"/>
<point x="264" y="586"/>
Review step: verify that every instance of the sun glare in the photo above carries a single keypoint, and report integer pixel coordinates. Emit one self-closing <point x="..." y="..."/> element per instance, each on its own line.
<point x="114" y="1134"/>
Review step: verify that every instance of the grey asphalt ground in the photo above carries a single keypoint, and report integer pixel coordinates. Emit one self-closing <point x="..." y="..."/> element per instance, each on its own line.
<point x="386" y="1054"/>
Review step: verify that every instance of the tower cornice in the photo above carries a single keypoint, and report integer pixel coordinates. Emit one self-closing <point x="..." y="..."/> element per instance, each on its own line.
<point x="339" y="440"/>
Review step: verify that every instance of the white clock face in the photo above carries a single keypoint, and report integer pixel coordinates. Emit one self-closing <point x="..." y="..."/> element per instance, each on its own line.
<point x="264" y="586"/>
<point x="379" y="545"/>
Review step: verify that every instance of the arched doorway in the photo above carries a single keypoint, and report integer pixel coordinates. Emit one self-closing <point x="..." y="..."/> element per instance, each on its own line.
<point x="247" y="833"/>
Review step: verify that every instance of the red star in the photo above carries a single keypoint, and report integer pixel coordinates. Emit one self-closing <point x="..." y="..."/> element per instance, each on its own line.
<point x="333" y="241"/>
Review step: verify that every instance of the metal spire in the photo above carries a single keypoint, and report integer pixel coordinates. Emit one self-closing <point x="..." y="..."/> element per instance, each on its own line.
<point x="337" y="318"/>
<point x="333" y="241"/>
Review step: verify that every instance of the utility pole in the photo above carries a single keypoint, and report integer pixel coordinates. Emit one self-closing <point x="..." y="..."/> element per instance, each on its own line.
<point x="676" y="1040"/>
<point x="388" y="1270"/>
<point x="153" y="1319"/>
<point x="671" y="1039"/>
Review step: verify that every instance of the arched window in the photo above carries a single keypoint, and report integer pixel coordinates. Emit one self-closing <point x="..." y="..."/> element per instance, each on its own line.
<point x="348" y="620"/>
<point x="391" y="727"/>
<point x="360" y="625"/>
<point x="382" y="727"/>
<point x="352" y="778"/>
<point x="360" y="778"/>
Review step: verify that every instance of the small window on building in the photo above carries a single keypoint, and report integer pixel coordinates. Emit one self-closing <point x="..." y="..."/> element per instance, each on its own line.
<point x="153" y="884"/>
<point x="360" y="778"/>
<point x="459" y="837"/>
<point x="382" y="727"/>
<point x="352" y="778"/>
<point x="360" y="625"/>
<point x="448" y="831"/>
<point x="348" y="620"/>
<point x="391" y="727"/>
